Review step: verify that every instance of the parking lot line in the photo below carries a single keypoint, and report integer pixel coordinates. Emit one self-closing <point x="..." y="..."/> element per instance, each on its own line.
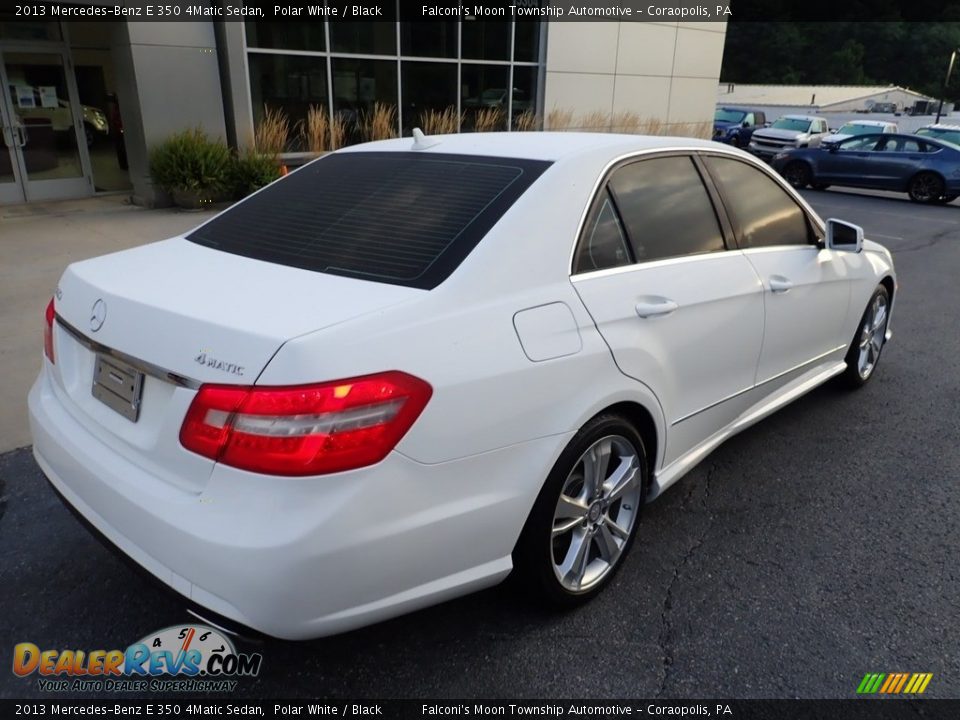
<point x="900" y="215"/>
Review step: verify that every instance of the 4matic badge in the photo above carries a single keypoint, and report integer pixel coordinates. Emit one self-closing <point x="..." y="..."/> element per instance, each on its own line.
<point x="207" y="360"/>
<point x="189" y="658"/>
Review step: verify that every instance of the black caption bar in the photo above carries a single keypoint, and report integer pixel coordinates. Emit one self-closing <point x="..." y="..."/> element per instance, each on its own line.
<point x="375" y="10"/>
<point x="489" y="10"/>
<point x="739" y="709"/>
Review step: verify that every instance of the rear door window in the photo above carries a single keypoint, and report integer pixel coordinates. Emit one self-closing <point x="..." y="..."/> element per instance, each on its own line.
<point x="901" y="144"/>
<point x="666" y="209"/>
<point x="859" y="143"/>
<point x="404" y="218"/>
<point x="604" y="245"/>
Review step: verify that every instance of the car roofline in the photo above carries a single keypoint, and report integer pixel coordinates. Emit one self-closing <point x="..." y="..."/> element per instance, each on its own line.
<point x="551" y="146"/>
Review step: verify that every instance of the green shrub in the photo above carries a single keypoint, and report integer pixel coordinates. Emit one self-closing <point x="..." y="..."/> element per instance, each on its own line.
<point x="190" y="161"/>
<point x="250" y="171"/>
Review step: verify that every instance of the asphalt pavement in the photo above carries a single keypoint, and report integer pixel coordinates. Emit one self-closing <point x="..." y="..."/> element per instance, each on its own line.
<point x="815" y="547"/>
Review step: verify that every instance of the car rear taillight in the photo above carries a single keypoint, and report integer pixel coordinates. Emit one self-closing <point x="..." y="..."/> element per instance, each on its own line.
<point x="304" y="429"/>
<point x="48" y="332"/>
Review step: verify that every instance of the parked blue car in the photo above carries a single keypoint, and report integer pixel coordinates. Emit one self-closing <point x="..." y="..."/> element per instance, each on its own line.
<point x="925" y="168"/>
<point x="735" y="126"/>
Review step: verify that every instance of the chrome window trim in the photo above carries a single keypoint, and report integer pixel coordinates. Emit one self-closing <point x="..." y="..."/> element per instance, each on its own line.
<point x="661" y="262"/>
<point x="774" y="248"/>
<point x="143" y="366"/>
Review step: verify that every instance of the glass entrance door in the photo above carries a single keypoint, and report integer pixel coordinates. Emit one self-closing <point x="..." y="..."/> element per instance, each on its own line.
<point x="11" y="190"/>
<point x="43" y="139"/>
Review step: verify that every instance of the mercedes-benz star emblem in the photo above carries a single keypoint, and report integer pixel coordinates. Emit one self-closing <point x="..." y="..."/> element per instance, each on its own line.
<point x="98" y="314"/>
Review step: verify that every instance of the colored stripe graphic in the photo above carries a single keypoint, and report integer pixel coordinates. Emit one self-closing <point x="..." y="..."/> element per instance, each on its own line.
<point x="894" y="683"/>
<point x="918" y="683"/>
<point x="903" y="681"/>
<point x="870" y="683"/>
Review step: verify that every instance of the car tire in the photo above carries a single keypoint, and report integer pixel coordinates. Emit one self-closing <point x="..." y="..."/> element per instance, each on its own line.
<point x="798" y="174"/>
<point x="925" y="187"/>
<point x="867" y="344"/>
<point x="734" y="142"/>
<point x="947" y="199"/>
<point x="585" y="520"/>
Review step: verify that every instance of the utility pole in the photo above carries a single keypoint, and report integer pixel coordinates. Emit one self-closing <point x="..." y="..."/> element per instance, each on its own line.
<point x="953" y="57"/>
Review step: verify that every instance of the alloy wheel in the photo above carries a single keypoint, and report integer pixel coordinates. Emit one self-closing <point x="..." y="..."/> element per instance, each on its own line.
<point x="926" y="188"/>
<point x="595" y="513"/>
<point x="872" y="334"/>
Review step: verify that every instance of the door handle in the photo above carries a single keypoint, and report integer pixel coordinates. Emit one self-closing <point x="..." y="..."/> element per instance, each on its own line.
<point x="780" y="284"/>
<point x="663" y="306"/>
<point x="22" y="134"/>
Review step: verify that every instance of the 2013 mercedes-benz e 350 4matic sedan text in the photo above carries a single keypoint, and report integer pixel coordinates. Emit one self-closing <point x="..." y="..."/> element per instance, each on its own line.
<point x="410" y="367"/>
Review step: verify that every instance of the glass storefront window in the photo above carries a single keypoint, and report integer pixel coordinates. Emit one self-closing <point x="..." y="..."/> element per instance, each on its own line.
<point x="526" y="41"/>
<point x="289" y="83"/>
<point x="20" y="28"/>
<point x="485" y="40"/>
<point x="484" y="96"/>
<point x="444" y="65"/>
<point x="278" y="35"/>
<point x="429" y="39"/>
<point x="426" y="86"/>
<point x="357" y="85"/>
<point x="368" y="38"/>
<point x="524" y="91"/>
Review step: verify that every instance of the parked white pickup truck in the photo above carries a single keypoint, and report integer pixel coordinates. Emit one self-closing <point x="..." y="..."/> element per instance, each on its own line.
<point x="789" y="131"/>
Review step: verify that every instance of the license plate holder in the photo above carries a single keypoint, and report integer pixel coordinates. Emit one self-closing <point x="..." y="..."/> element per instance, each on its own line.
<point x="118" y="385"/>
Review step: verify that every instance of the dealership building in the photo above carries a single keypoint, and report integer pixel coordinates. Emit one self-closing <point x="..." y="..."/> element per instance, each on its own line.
<point x="74" y="84"/>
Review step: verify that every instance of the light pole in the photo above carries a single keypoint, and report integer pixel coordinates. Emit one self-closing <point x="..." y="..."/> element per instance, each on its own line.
<point x="953" y="57"/>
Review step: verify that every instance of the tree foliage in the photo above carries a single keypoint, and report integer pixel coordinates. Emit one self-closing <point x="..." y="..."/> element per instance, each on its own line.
<point x="910" y="54"/>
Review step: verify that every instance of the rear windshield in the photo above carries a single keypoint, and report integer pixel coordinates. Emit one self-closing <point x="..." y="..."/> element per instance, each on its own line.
<point x="404" y="218"/>
<point x="951" y="136"/>
<point x="792" y="124"/>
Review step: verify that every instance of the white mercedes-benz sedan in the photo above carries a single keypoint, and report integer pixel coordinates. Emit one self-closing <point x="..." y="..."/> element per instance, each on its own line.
<point x="412" y="366"/>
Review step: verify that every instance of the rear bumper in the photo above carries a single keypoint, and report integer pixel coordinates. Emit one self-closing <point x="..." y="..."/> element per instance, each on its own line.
<point x="216" y="620"/>
<point x="301" y="557"/>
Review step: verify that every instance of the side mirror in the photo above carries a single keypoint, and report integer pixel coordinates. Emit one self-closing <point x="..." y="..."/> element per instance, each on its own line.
<point x="844" y="236"/>
<point x="746" y="123"/>
<point x="831" y="147"/>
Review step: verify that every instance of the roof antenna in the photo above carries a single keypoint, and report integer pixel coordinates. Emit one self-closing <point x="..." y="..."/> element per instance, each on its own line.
<point x="421" y="141"/>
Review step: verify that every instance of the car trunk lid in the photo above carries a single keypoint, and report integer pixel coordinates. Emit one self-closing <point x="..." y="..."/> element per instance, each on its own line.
<point x="173" y="315"/>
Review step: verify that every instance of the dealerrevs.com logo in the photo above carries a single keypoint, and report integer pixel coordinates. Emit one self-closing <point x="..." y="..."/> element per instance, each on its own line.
<point x="187" y="658"/>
